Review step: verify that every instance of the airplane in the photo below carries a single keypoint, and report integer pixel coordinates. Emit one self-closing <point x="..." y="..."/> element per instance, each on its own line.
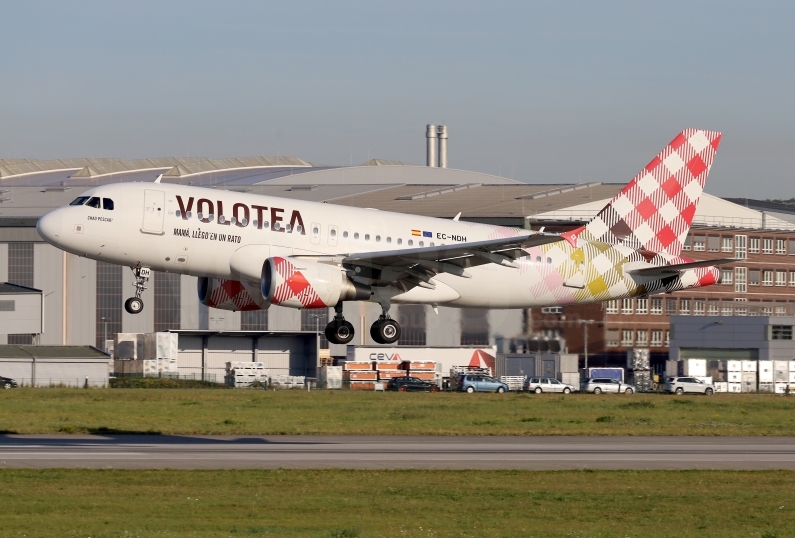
<point x="251" y="251"/>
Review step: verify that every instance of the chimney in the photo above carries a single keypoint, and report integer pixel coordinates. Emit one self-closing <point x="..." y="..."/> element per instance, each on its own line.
<point x="430" y="135"/>
<point x="442" y="132"/>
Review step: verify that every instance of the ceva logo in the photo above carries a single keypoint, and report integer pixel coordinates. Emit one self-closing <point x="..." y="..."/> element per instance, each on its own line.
<point x="385" y="357"/>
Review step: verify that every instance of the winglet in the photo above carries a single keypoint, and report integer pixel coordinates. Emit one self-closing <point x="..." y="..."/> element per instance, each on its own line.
<point x="457" y="216"/>
<point x="159" y="178"/>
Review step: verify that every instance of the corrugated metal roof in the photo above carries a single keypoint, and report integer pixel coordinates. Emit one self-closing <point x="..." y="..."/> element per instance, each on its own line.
<point x="7" y="288"/>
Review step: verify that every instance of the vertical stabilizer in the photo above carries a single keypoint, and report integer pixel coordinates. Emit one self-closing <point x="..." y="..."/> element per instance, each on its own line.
<point x="655" y="210"/>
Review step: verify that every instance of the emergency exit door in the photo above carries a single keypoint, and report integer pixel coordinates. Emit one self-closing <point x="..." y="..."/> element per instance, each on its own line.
<point x="154" y="212"/>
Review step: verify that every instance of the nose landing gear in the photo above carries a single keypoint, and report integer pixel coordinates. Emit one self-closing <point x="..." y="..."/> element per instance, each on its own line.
<point x="134" y="305"/>
<point x="339" y="331"/>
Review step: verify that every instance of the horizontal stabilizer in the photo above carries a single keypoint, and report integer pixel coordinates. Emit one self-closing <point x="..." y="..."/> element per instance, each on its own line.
<point x="674" y="269"/>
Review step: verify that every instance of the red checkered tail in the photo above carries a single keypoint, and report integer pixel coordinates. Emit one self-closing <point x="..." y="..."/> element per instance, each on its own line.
<point x="655" y="210"/>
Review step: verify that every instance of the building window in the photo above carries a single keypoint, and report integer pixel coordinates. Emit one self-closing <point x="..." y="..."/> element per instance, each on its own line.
<point x="726" y="244"/>
<point x="670" y="307"/>
<point x="767" y="278"/>
<point x="551" y="309"/>
<point x="740" y="310"/>
<point x="626" y="306"/>
<point x="612" y="306"/>
<point x="753" y="246"/>
<point x="792" y="278"/>
<point x="656" y="306"/>
<point x="767" y="309"/>
<point x="740" y="247"/>
<point x="642" y="338"/>
<point x="412" y="324"/>
<point x="626" y="337"/>
<point x="726" y="309"/>
<point x="726" y="276"/>
<point x="667" y="338"/>
<point x="781" y="310"/>
<point x="781" y="332"/>
<point x="684" y="307"/>
<point x="754" y="276"/>
<point x="254" y="320"/>
<point x="792" y="247"/>
<point x="740" y="279"/>
<point x="20" y="264"/>
<point x="699" y="243"/>
<point x="767" y="246"/>
<point x="712" y="308"/>
<point x="713" y="243"/>
<point x="612" y="337"/>
<point x="698" y="307"/>
<point x="781" y="278"/>
<point x="642" y="306"/>
<point x="687" y="244"/>
<point x="109" y="301"/>
<point x="781" y="246"/>
<point x="656" y="338"/>
<point x="474" y="327"/>
<point x="167" y="294"/>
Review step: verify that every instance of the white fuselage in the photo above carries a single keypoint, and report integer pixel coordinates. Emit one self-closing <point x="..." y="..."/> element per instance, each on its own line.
<point x="147" y="227"/>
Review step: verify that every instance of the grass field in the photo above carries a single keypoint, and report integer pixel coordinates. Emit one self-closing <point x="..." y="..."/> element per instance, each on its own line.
<point x="348" y="504"/>
<point x="193" y="412"/>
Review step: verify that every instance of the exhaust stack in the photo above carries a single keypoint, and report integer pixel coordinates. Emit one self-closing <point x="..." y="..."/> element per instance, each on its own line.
<point x="442" y="132"/>
<point x="431" y="142"/>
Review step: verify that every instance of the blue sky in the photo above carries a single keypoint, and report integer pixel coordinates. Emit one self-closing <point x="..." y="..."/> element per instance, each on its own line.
<point x="543" y="92"/>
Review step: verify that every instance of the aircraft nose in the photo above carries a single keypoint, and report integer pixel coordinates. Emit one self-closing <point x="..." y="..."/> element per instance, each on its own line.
<point x="49" y="226"/>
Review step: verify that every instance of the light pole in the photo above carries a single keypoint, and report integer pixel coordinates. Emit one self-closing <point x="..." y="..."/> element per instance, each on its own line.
<point x="105" y="333"/>
<point x="585" y="323"/>
<point x="317" y="337"/>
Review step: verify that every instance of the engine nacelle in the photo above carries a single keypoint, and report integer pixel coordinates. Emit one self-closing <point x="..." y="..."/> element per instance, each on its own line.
<point x="229" y="295"/>
<point x="304" y="284"/>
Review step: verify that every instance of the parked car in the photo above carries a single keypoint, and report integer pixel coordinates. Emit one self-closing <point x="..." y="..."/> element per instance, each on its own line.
<point x="411" y="384"/>
<point x="7" y="382"/>
<point x="480" y="383"/>
<point x="682" y="385"/>
<point x="598" y="385"/>
<point x="546" y="384"/>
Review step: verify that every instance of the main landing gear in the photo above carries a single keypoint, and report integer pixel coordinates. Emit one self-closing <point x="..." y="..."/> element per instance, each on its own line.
<point x="384" y="331"/>
<point x="134" y="305"/>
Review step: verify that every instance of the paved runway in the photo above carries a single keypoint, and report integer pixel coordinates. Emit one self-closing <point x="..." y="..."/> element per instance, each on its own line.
<point x="317" y="452"/>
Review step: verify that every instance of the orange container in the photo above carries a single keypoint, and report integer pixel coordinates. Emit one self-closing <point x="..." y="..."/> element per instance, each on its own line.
<point x="427" y="376"/>
<point x="350" y="366"/>
<point x="387" y="366"/>
<point x="362" y="386"/>
<point x="390" y="375"/>
<point x="361" y="375"/>
<point x="422" y="366"/>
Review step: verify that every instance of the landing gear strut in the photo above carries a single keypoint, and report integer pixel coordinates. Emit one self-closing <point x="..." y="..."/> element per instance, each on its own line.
<point x="385" y="330"/>
<point x="134" y="305"/>
<point x="339" y="331"/>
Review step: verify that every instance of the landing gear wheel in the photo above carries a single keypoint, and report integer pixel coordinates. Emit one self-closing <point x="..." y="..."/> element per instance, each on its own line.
<point x="134" y="305"/>
<point x="339" y="331"/>
<point x="385" y="331"/>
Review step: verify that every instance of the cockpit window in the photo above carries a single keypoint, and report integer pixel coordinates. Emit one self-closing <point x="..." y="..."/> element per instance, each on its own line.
<point x="80" y="200"/>
<point x="107" y="203"/>
<point x="93" y="202"/>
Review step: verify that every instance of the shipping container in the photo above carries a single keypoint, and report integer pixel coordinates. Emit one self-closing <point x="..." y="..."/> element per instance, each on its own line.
<point x="781" y="388"/>
<point x="792" y="376"/>
<point x="766" y="387"/>
<point x="749" y="366"/>
<point x="692" y="367"/>
<point x="735" y="387"/>
<point x="735" y="377"/>
<point x="425" y="376"/>
<point x="426" y="366"/>
<point x="765" y="371"/>
<point x="446" y="357"/>
<point x="361" y="375"/>
<point x="362" y="385"/>
<point x="392" y="374"/>
<point x="388" y="366"/>
<point x="749" y="382"/>
<point x="721" y="386"/>
<point x="349" y="366"/>
<point x="569" y="378"/>
<point x="734" y="366"/>
<point x="706" y="379"/>
<point x="716" y="369"/>
<point x="780" y="371"/>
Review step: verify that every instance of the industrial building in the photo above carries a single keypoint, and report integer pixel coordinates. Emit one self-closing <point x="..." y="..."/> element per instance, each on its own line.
<point x="81" y="301"/>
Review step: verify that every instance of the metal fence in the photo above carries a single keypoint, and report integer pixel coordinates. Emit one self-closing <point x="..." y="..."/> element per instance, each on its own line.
<point x="210" y="378"/>
<point x="62" y="383"/>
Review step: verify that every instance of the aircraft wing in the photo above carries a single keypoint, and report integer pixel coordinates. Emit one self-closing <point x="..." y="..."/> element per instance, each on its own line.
<point x="677" y="268"/>
<point x="416" y="266"/>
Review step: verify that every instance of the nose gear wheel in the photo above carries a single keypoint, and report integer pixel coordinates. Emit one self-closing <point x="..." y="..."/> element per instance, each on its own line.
<point x="134" y="305"/>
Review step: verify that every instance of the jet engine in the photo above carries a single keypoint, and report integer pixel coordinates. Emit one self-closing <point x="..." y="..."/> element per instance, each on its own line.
<point x="230" y="295"/>
<point x="303" y="284"/>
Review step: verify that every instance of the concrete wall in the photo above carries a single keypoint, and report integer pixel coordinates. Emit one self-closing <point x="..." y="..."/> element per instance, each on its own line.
<point x="26" y="316"/>
<point x="46" y="372"/>
<point x="3" y="278"/>
<point x="81" y="300"/>
<point x="188" y="303"/>
<point x="48" y="276"/>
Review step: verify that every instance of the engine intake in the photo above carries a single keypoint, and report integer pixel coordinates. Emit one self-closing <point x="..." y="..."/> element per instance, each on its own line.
<point x="304" y="284"/>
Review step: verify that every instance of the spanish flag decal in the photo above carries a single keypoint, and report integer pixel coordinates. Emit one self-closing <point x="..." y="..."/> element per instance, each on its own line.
<point x="416" y="232"/>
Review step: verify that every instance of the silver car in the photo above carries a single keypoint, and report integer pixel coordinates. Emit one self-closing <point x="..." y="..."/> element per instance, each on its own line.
<point x="682" y="385"/>
<point x="546" y="384"/>
<point x="598" y="385"/>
